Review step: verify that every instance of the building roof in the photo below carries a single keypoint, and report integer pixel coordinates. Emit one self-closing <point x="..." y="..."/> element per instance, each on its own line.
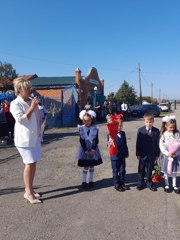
<point x="28" y="77"/>
<point x="52" y="81"/>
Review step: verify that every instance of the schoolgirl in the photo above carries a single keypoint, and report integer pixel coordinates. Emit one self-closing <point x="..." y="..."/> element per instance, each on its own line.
<point x="170" y="152"/>
<point x="89" y="154"/>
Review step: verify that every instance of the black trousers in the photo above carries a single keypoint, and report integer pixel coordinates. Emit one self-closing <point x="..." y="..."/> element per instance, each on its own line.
<point x="118" y="171"/>
<point x="145" y="168"/>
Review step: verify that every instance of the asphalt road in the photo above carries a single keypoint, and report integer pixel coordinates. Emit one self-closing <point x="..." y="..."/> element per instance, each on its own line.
<point x="67" y="212"/>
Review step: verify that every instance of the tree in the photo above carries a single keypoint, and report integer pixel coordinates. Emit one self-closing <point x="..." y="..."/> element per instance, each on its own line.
<point x="110" y="97"/>
<point x="126" y="93"/>
<point x="7" y="74"/>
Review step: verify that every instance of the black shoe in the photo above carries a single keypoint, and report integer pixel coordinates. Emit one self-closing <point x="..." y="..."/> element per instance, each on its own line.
<point x="84" y="185"/>
<point x="116" y="187"/>
<point x="140" y="187"/>
<point x="91" y="185"/>
<point x="176" y="190"/>
<point x="166" y="189"/>
<point x="153" y="189"/>
<point x="119" y="188"/>
<point x="125" y="187"/>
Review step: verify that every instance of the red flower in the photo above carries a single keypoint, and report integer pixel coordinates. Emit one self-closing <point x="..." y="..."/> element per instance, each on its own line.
<point x="113" y="122"/>
<point x="156" y="178"/>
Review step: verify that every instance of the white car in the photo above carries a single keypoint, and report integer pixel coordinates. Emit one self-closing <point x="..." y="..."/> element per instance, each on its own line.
<point x="164" y="107"/>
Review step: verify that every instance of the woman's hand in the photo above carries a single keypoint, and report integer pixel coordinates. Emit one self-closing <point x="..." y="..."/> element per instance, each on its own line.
<point x="35" y="102"/>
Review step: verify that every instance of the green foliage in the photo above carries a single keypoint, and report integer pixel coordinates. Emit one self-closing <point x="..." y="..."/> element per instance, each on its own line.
<point x="156" y="170"/>
<point x="7" y="70"/>
<point x="110" y="97"/>
<point x="7" y="74"/>
<point x="126" y="93"/>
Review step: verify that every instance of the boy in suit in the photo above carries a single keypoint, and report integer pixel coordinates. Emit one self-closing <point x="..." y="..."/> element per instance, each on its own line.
<point x="118" y="160"/>
<point x="147" y="151"/>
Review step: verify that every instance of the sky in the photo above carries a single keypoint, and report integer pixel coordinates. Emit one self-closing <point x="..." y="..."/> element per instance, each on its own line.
<point x="54" y="37"/>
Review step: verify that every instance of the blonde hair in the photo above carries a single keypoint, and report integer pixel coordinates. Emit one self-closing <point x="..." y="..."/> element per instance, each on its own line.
<point x="21" y="83"/>
<point x="148" y="116"/>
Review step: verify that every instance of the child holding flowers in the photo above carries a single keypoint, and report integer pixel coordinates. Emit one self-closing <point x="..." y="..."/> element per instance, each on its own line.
<point x="170" y="151"/>
<point x="118" y="150"/>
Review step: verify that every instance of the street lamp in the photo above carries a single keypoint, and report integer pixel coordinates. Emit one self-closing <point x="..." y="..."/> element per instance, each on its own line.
<point x="94" y="98"/>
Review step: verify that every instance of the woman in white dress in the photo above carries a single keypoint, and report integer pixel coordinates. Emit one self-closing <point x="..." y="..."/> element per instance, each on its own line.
<point x="27" y="133"/>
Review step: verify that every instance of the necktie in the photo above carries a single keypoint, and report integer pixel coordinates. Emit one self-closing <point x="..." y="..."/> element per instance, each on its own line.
<point x="149" y="131"/>
<point x="88" y="131"/>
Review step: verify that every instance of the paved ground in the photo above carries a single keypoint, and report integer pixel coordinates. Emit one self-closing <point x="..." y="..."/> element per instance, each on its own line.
<point x="68" y="212"/>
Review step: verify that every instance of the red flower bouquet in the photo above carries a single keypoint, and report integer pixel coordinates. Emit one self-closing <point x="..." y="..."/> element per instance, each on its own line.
<point x="156" y="174"/>
<point x="113" y="122"/>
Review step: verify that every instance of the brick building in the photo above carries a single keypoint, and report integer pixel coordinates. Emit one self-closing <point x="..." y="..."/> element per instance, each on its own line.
<point x="52" y="87"/>
<point x="89" y="87"/>
<point x="61" y="95"/>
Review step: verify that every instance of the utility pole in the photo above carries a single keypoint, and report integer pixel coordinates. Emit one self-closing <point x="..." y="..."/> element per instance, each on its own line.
<point x="159" y="95"/>
<point x="140" y="90"/>
<point x="151" y="92"/>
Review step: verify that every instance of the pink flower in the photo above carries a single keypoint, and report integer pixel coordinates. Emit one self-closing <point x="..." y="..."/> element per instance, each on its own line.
<point x="173" y="146"/>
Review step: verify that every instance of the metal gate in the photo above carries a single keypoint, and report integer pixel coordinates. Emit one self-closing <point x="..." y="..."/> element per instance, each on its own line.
<point x="61" y="112"/>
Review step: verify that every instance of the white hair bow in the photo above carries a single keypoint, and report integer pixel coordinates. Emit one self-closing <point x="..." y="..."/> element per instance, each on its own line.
<point x="168" y="118"/>
<point x="90" y="112"/>
<point x="173" y="117"/>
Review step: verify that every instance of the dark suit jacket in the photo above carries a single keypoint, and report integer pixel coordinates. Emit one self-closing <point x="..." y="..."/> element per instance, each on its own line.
<point x="147" y="145"/>
<point x="122" y="146"/>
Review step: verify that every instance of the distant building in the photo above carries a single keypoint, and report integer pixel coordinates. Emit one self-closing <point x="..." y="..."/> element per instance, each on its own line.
<point x="86" y="86"/>
<point x="60" y="95"/>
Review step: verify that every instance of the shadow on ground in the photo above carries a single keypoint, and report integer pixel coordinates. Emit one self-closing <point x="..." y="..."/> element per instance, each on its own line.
<point x="52" y="137"/>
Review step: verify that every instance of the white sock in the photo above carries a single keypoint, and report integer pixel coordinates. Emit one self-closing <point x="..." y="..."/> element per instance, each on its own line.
<point x="84" y="174"/>
<point x="166" y="179"/>
<point x="91" y="174"/>
<point x="174" y="179"/>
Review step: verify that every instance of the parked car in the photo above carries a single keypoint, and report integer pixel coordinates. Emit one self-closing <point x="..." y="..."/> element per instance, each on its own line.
<point x="140" y="110"/>
<point x="164" y="107"/>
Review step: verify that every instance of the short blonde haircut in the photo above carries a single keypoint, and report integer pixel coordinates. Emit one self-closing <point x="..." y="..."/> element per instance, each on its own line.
<point x="21" y="83"/>
<point x="148" y="116"/>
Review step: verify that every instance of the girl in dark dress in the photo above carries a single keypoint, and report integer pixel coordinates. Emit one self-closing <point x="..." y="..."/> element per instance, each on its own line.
<point x="89" y="154"/>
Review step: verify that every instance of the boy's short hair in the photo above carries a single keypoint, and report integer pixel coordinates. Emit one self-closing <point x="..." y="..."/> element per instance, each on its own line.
<point x="149" y="116"/>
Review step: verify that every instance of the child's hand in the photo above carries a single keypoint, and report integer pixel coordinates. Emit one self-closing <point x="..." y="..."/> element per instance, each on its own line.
<point x="91" y="153"/>
<point x="87" y="153"/>
<point x="111" y="142"/>
<point x="171" y="155"/>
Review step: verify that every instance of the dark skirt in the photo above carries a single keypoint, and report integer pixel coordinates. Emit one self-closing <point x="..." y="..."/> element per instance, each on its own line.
<point x="89" y="163"/>
<point x="86" y="161"/>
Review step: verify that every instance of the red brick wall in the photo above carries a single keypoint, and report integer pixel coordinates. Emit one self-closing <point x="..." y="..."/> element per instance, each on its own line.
<point x="88" y="88"/>
<point x="51" y="93"/>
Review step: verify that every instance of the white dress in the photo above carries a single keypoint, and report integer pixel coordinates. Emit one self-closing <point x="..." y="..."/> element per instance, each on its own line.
<point x="31" y="154"/>
<point x="163" y="144"/>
